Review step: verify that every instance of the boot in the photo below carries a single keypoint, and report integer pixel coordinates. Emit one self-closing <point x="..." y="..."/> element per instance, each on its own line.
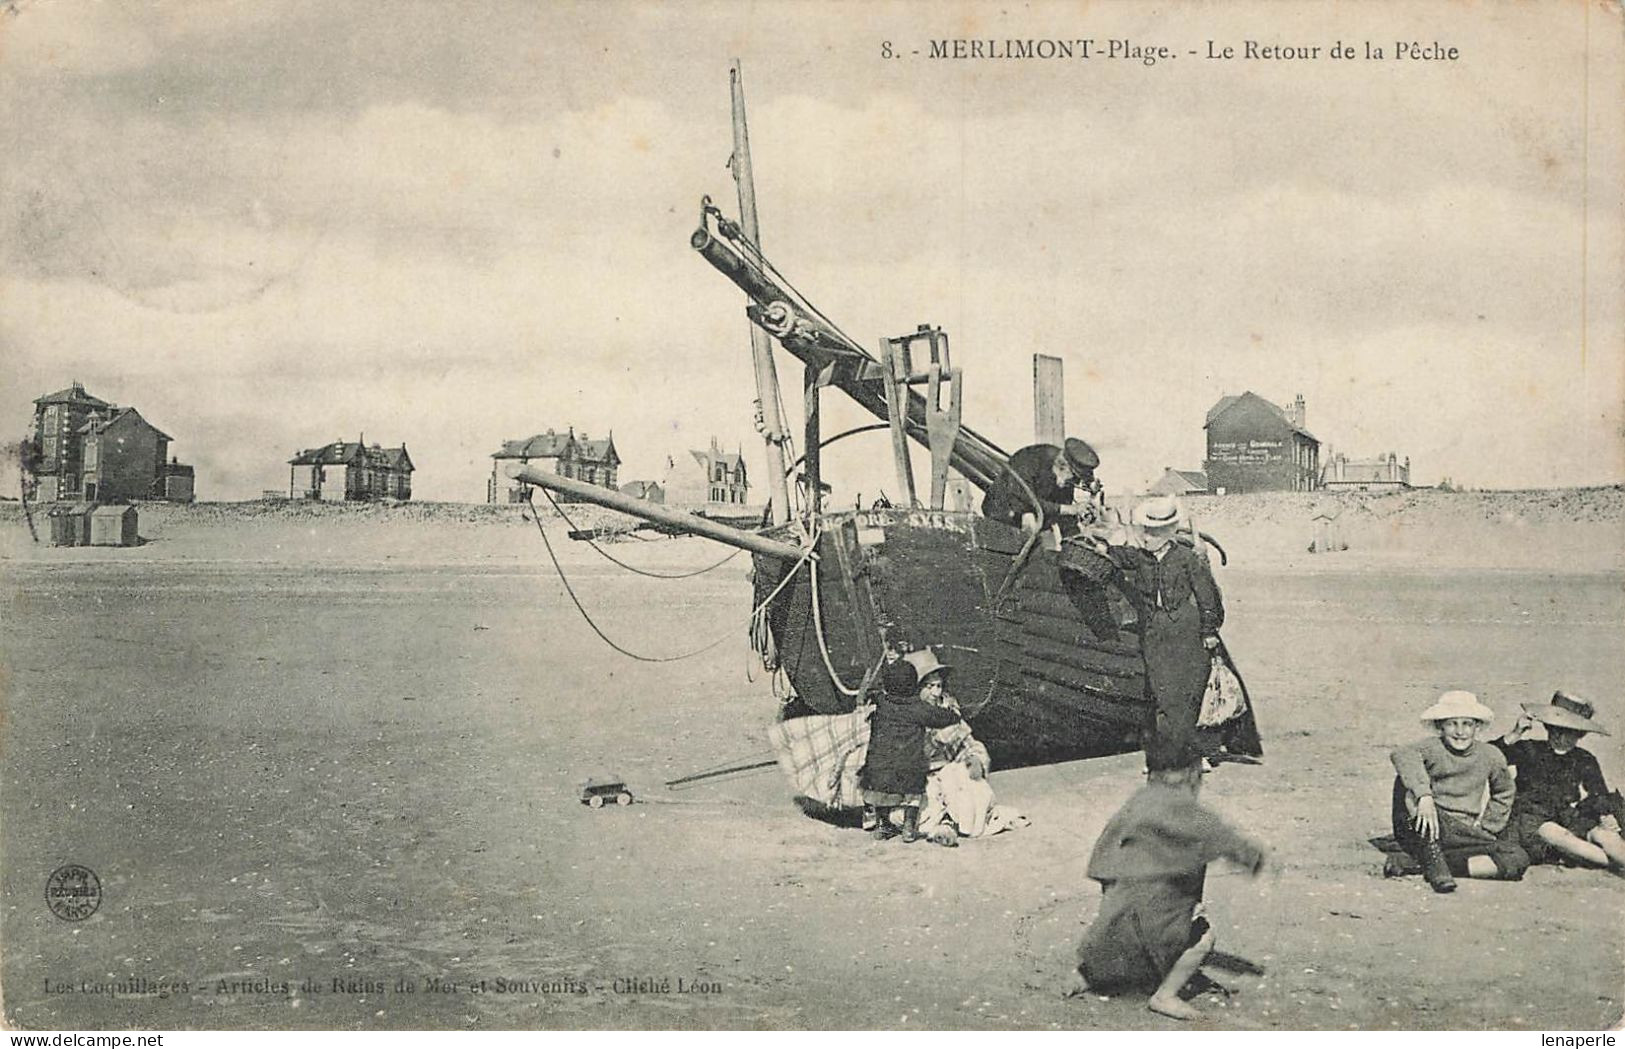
<point x="1399" y="865"/>
<point x="1435" y="870"/>
<point x="911" y="823"/>
<point x="883" y="825"/>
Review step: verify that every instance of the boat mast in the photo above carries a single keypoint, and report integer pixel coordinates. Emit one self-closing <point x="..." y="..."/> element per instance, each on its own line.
<point x="761" y="348"/>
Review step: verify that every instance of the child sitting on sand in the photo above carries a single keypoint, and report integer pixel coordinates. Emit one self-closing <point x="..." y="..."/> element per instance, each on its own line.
<point x="1151" y="862"/>
<point x="894" y="774"/>
<point x="1440" y="816"/>
<point x="1564" y="808"/>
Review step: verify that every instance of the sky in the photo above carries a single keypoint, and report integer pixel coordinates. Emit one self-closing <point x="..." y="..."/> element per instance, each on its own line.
<point x="273" y="224"/>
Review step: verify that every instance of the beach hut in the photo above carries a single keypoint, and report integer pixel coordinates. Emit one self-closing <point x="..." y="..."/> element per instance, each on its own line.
<point x="70" y="524"/>
<point x="113" y="526"/>
<point x="1328" y="533"/>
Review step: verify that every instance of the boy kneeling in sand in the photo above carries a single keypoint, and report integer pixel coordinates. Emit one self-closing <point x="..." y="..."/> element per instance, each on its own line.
<point x="1151" y="862"/>
<point x="1440" y="816"/>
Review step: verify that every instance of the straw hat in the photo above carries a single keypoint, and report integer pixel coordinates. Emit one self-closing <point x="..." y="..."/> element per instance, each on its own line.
<point x="1160" y="511"/>
<point x="925" y="663"/>
<point x="1566" y="711"/>
<point x="1457" y="705"/>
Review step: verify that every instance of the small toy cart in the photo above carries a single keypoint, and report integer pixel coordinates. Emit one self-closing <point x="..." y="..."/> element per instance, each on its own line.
<point x="600" y="789"/>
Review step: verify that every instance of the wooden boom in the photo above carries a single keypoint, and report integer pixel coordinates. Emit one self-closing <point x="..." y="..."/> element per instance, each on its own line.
<point x="684" y="522"/>
<point x="818" y="344"/>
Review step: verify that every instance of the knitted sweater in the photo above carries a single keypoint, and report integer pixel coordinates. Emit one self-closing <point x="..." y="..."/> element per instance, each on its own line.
<point x="1457" y="780"/>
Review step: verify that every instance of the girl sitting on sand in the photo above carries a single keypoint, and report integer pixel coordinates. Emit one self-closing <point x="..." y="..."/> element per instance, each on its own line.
<point x="1440" y="816"/>
<point x="1564" y="809"/>
<point x="893" y="776"/>
<point x="1151" y="862"/>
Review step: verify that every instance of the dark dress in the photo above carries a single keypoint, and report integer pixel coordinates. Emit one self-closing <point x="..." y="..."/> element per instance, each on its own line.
<point x="1178" y="604"/>
<point x="896" y="763"/>
<point x="1006" y="501"/>
<point x="1565" y="789"/>
<point x="1151" y="862"/>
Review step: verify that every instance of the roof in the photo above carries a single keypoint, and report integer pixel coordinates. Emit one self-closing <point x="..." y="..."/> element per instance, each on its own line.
<point x="74" y="394"/>
<point x="327" y="455"/>
<point x="100" y="425"/>
<point x="347" y="453"/>
<point x="1179" y="482"/>
<point x="1226" y="403"/>
<point x="112" y="511"/>
<point x="540" y="446"/>
<point x="601" y="451"/>
<point x="732" y="460"/>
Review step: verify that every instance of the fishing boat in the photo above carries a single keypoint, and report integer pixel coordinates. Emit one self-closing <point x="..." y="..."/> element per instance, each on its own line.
<point x="836" y="589"/>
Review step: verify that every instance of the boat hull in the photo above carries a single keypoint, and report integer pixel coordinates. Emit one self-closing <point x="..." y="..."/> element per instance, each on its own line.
<point x="1037" y="684"/>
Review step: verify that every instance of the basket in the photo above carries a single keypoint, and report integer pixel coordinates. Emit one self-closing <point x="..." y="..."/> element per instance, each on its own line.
<point x="1078" y="555"/>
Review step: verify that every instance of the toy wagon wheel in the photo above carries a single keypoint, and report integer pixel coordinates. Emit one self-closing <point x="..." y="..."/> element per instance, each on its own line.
<point x="596" y="801"/>
<point x="623" y="798"/>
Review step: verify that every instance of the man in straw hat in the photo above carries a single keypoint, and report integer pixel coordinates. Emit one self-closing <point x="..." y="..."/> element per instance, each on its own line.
<point x="1037" y="487"/>
<point x="1440" y="816"/>
<point x="1180" y="612"/>
<point x="1151" y="861"/>
<point x="1564" y="809"/>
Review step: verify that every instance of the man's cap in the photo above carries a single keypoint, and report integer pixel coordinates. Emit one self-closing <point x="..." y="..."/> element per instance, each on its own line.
<point x="1080" y="456"/>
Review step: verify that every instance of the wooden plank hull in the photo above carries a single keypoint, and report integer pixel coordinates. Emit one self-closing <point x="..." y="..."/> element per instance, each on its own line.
<point x="1036" y="683"/>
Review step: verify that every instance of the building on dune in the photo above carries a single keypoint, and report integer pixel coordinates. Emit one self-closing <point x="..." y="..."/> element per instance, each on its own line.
<point x="1382" y="474"/>
<point x="582" y="458"/>
<point x="91" y="449"/>
<point x="350" y="471"/>
<point x="1179" y="482"/>
<point x="648" y="491"/>
<point x="706" y="477"/>
<point x="1254" y="445"/>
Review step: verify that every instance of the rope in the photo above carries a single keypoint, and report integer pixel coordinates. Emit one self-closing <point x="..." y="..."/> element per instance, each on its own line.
<point x="531" y="499"/>
<point x="823" y="648"/>
<point x="805" y="557"/>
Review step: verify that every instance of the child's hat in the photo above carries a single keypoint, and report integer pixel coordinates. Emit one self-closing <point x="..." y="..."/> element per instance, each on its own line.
<point x="1160" y="511"/>
<point x="899" y="679"/>
<point x="925" y="662"/>
<point x="1566" y="711"/>
<point x="1457" y="705"/>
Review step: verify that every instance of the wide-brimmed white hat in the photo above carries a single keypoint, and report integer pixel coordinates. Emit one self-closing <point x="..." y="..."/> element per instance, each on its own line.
<point x="925" y="663"/>
<point x="1160" y="511"/>
<point x="1457" y="705"/>
<point x="1566" y="711"/>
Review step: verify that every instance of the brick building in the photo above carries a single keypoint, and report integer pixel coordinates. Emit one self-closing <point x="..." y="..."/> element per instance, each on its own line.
<point x="565" y="454"/>
<point x="1256" y="446"/>
<point x="88" y="448"/>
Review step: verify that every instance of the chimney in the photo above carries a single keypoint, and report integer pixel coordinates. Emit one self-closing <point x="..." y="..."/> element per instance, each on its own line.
<point x="1298" y="412"/>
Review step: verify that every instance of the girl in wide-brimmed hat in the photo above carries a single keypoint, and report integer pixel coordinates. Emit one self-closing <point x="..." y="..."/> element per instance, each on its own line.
<point x="1439" y="813"/>
<point x="1564" y="809"/>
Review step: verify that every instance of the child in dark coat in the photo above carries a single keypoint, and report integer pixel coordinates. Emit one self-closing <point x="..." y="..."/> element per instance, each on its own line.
<point x="1151" y="862"/>
<point x="894" y="775"/>
<point x="1563" y="808"/>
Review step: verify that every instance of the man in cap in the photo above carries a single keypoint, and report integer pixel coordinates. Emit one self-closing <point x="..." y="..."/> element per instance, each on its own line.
<point x="1037" y="487"/>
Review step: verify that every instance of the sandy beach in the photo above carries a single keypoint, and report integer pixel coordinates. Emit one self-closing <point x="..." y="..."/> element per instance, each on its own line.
<point x="324" y="762"/>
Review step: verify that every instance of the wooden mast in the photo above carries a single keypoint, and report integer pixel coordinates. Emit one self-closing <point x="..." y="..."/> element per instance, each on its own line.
<point x="761" y="348"/>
